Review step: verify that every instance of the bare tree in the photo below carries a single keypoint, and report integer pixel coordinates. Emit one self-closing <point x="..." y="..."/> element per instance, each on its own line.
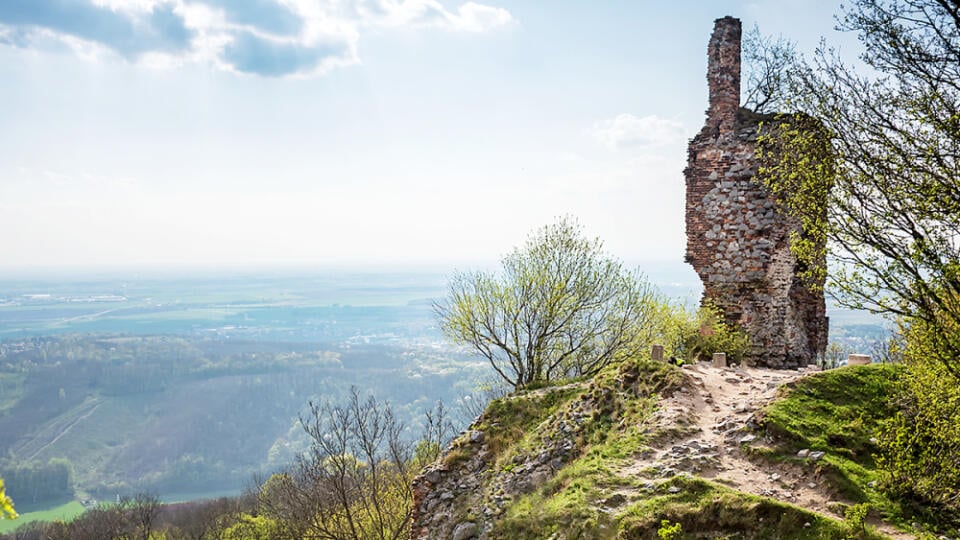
<point x="767" y="62"/>
<point x="142" y="510"/>
<point x="354" y="482"/>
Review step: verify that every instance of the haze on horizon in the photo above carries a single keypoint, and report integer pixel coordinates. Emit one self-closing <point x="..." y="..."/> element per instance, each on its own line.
<point x="208" y="133"/>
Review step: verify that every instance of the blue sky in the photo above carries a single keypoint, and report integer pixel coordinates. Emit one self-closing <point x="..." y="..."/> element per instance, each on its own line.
<point x="241" y="133"/>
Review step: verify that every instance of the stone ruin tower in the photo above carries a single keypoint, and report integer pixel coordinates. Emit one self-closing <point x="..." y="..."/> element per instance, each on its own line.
<point x="737" y="237"/>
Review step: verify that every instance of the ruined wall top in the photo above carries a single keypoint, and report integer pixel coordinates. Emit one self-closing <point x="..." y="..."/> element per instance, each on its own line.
<point x="723" y="74"/>
<point x="738" y="236"/>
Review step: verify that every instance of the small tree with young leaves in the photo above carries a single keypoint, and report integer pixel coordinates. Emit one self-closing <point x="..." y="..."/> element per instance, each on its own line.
<point x="560" y="307"/>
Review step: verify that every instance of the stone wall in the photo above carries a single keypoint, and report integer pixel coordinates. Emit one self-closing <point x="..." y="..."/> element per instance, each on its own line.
<point x="737" y="236"/>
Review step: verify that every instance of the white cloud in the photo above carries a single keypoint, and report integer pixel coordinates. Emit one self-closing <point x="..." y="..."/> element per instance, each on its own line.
<point x="271" y="38"/>
<point x="475" y="17"/>
<point x="468" y="17"/>
<point x="626" y="131"/>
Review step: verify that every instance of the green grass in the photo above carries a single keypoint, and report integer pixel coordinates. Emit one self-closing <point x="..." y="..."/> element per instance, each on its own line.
<point x="66" y="512"/>
<point x="838" y="412"/>
<point x="715" y="511"/>
<point x="572" y="502"/>
<point x="509" y="420"/>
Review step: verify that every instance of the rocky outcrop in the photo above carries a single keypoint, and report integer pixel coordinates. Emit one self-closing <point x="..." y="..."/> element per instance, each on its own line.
<point x="738" y="238"/>
<point x="461" y="494"/>
<point x="519" y="445"/>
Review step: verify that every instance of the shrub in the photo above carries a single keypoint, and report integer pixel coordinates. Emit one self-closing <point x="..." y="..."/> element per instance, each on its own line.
<point x="670" y="532"/>
<point x="920" y="445"/>
<point x="706" y="333"/>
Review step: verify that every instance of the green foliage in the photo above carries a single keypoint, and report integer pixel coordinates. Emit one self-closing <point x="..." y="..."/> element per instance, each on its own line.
<point x="250" y="527"/>
<point x="798" y="166"/>
<point x="855" y="518"/>
<point x="6" y="504"/>
<point x="888" y="142"/>
<point x="670" y="532"/>
<point x="559" y="308"/>
<point x="706" y="333"/>
<point x="921" y="443"/>
<point x="715" y="511"/>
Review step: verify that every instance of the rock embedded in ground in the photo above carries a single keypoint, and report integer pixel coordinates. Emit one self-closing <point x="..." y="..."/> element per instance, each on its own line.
<point x="465" y="531"/>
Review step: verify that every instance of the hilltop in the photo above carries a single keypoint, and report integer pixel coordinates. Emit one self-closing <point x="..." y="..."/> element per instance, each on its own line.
<point x="740" y="453"/>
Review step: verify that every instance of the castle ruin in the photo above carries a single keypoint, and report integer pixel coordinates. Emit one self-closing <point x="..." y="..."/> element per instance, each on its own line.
<point x="738" y="238"/>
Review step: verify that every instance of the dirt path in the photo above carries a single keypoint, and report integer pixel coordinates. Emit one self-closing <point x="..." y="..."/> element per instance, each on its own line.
<point x="716" y="413"/>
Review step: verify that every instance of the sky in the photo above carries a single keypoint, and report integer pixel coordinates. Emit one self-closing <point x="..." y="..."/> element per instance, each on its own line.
<point x="261" y="133"/>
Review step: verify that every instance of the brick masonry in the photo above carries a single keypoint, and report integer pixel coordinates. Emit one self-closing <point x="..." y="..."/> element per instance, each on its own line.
<point x="737" y="237"/>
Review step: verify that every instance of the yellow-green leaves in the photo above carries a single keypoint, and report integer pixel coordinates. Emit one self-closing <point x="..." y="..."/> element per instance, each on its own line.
<point x="797" y="165"/>
<point x="560" y="307"/>
<point x="6" y="505"/>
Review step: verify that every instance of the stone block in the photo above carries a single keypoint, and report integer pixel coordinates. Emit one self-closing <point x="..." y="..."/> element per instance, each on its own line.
<point x="719" y="360"/>
<point x="858" y="360"/>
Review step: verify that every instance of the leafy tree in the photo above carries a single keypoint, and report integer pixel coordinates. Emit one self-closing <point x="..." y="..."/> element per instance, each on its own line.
<point x="887" y="147"/>
<point x="560" y="307"/>
<point x="892" y="137"/>
<point x="250" y="527"/>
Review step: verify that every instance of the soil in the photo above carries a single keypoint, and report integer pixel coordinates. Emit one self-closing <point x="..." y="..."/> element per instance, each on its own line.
<point x="716" y="440"/>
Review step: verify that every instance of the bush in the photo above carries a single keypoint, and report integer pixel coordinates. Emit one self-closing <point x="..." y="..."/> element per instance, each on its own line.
<point x="855" y="518"/>
<point x="698" y="336"/>
<point x="669" y="532"/>
<point x="920" y="445"/>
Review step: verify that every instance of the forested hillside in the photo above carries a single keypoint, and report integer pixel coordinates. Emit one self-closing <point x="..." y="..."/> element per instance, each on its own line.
<point x="111" y="414"/>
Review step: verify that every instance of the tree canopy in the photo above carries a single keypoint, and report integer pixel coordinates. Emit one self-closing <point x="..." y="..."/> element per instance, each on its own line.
<point x="559" y="307"/>
<point x="893" y="134"/>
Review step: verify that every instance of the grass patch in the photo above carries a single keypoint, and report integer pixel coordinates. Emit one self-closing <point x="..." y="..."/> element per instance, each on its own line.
<point x="508" y="420"/>
<point x="65" y="512"/>
<point x="714" y="511"/>
<point x="571" y="510"/>
<point x="839" y="412"/>
<point x="621" y="400"/>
